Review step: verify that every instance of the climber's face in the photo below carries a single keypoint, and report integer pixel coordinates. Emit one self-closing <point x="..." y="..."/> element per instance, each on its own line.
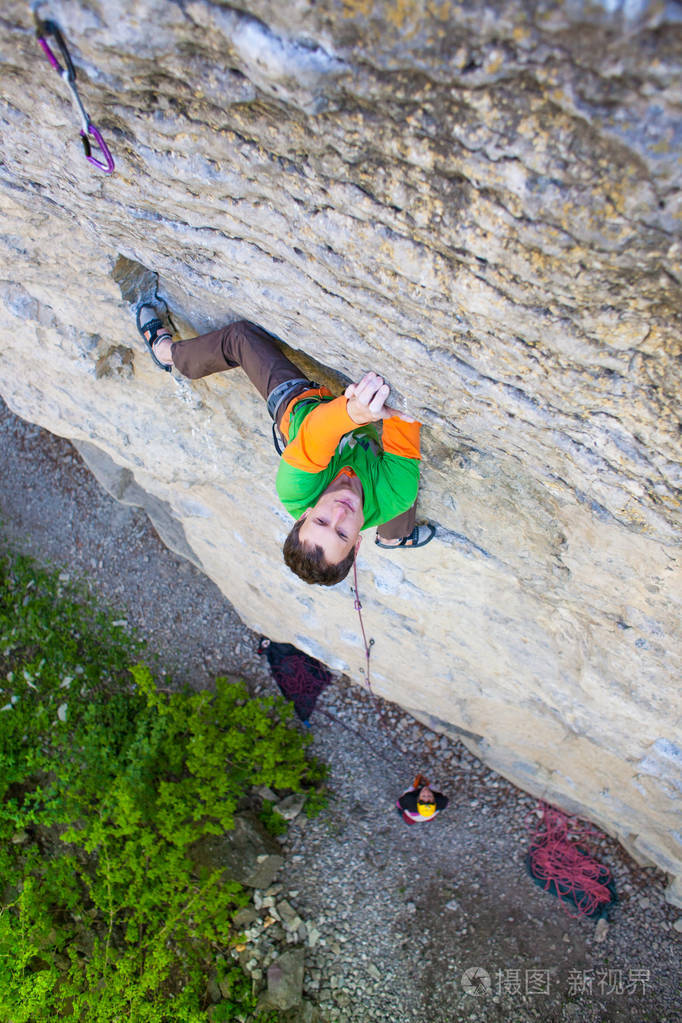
<point x="335" y="520"/>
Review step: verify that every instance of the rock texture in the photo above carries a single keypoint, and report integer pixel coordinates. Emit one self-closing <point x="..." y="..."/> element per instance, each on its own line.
<point x="481" y="201"/>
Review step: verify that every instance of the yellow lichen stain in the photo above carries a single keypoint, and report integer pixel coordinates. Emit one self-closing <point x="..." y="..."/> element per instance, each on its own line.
<point x="353" y="8"/>
<point x="411" y="16"/>
<point x="402" y="11"/>
<point x="616" y="199"/>
<point x="495" y="63"/>
<point x="538" y="261"/>
<point x="520" y="33"/>
<point x="441" y="12"/>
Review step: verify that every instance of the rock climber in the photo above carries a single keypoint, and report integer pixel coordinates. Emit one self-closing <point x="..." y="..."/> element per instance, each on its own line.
<point x="420" y="803"/>
<point x="336" y="477"/>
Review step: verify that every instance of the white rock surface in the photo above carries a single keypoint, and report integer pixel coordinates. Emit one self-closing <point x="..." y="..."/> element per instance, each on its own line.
<point x="481" y="203"/>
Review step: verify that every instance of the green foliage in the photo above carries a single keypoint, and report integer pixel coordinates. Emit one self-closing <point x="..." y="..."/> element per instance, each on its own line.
<point x="104" y="787"/>
<point x="237" y="990"/>
<point x="272" y="820"/>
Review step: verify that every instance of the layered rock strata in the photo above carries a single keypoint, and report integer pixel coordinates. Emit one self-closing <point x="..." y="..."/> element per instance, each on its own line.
<point x="480" y="201"/>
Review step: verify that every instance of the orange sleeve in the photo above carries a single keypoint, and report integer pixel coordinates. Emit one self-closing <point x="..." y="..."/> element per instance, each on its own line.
<point x="401" y="438"/>
<point x="316" y="441"/>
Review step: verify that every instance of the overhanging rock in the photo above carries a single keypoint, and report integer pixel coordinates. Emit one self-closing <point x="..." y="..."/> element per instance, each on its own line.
<point x="481" y="202"/>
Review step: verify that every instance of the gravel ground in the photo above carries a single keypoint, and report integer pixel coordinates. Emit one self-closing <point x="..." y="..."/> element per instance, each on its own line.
<point x="389" y="917"/>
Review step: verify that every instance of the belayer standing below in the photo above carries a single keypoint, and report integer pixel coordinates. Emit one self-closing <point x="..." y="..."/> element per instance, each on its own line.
<point x="336" y="476"/>
<point x="420" y="803"/>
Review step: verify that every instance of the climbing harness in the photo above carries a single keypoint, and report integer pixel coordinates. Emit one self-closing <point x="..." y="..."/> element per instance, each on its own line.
<point x="45" y="29"/>
<point x="358" y="607"/>
<point x="559" y="863"/>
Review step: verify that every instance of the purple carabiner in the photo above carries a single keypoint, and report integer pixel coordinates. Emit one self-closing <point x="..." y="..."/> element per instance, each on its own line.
<point x="68" y="73"/>
<point x="108" y="166"/>
<point x="50" y="55"/>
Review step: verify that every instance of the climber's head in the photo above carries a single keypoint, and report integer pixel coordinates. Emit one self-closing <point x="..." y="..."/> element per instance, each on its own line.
<point x="426" y="802"/>
<point x="323" y="543"/>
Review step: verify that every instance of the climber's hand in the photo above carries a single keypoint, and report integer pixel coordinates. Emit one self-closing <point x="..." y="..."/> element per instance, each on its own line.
<point x="367" y="401"/>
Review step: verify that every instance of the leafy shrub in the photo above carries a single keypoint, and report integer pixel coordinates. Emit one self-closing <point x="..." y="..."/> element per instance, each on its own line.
<point x="104" y="786"/>
<point x="273" y="821"/>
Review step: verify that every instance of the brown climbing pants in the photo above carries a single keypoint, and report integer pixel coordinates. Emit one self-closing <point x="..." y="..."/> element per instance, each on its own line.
<point x="249" y="346"/>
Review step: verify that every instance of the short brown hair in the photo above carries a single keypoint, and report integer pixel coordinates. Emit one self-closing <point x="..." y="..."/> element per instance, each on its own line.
<point x="308" y="562"/>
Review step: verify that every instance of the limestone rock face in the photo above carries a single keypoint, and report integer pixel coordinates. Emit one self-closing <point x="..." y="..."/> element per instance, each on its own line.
<point x="481" y="201"/>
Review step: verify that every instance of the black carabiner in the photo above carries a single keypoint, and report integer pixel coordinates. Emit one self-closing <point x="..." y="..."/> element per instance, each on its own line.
<point x="45" y="28"/>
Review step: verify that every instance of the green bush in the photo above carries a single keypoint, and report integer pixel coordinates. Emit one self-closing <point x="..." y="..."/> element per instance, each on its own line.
<point x="104" y="786"/>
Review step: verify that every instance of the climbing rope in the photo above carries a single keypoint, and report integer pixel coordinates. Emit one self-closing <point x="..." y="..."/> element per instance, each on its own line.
<point x="560" y="864"/>
<point x="301" y="679"/>
<point x="47" y="28"/>
<point x="358" y="607"/>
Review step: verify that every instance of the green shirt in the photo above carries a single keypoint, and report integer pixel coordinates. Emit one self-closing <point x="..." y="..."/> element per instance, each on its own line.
<point x="323" y="440"/>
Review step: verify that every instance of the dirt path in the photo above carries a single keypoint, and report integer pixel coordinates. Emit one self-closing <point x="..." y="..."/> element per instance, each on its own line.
<point x="394" y="916"/>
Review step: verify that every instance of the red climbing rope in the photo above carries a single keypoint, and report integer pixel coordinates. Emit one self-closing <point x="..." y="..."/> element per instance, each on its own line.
<point x="559" y="861"/>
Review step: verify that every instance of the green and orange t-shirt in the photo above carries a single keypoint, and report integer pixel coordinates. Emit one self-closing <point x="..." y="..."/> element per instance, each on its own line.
<point x="323" y="441"/>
